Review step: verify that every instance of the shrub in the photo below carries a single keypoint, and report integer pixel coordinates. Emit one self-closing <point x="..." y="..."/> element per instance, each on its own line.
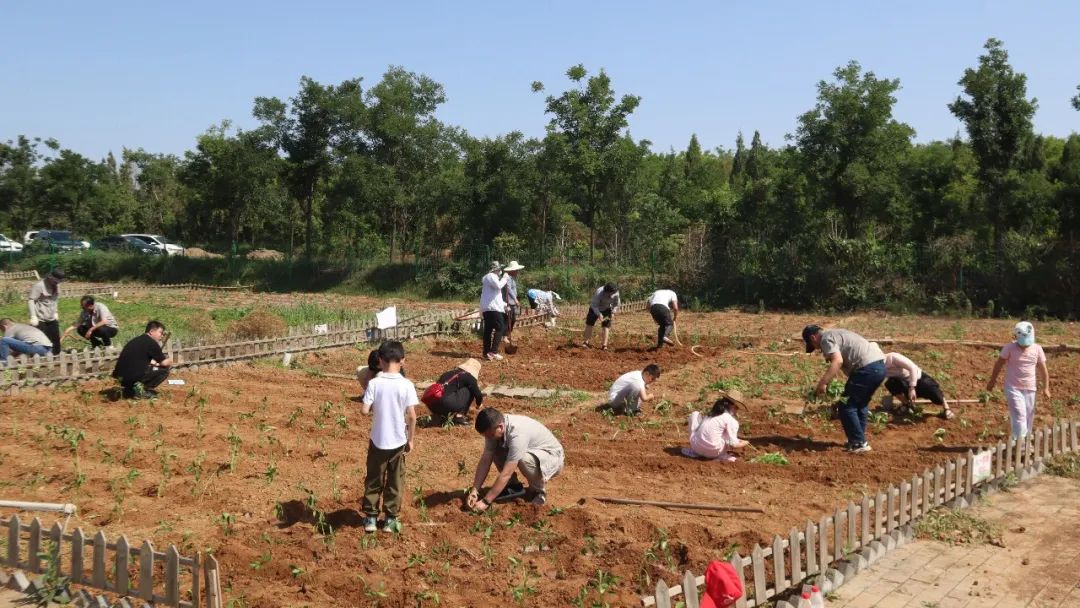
<point x="258" y="324"/>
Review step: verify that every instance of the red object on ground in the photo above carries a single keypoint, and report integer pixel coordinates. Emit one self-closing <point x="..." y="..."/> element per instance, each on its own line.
<point x="722" y="585"/>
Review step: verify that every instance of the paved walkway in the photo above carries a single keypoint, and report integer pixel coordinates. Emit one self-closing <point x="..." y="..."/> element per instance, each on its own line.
<point x="1039" y="565"/>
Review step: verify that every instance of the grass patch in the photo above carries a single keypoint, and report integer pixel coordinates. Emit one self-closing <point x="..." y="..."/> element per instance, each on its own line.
<point x="957" y="527"/>
<point x="773" y="458"/>
<point x="1066" y="465"/>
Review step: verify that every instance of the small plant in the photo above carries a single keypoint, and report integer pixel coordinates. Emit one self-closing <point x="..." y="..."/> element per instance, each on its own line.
<point x="52" y="588"/>
<point x="957" y="527"/>
<point x="462" y="469"/>
<point x="421" y="504"/>
<point x="225" y="521"/>
<point x="594" y="594"/>
<point x="296" y="571"/>
<point x="939" y="435"/>
<point x="1066" y="465"/>
<point x="261" y="561"/>
<point x="526" y="588"/>
<point x="773" y="458"/>
<point x="270" y="473"/>
<point x="294" y="415"/>
<point x="234" y="447"/>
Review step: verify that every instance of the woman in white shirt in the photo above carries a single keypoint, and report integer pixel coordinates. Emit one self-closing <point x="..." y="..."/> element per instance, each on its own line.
<point x="715" y="436"/>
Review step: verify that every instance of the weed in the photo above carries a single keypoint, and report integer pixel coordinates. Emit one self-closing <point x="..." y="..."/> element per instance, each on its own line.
<point x="234" y="447"/>
<point x="261" y="561"/>
<point x="773" y="458"/>
<point x="294" y="415"/>
<point x="1065" y="465"/>
<point x="462" y="470"/>
<point x="1009" y="482"/>
<point x="939" y="435"/>
<point x="527" y="587"/>
<point x="51" y="589"/>
<point x="166" y="460"/>
<point x="296" y="571"/>
<point x="225" y="521"/>
<point x="195" y="469"/>
<point x="270" y="473"/>
<point x="421" y="504"/>
<point x="956" y="527"/>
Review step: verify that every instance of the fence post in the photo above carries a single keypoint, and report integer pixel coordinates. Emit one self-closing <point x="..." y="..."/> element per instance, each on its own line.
<point x="811" y="548"/>
<point x="689" y="589"/>
<point x="98" y="576"/>
<point x="78" y="543"/>
<point x="172" y="576"/>
<point x="757" y="562"/>
<point x="663" y="595"/>
<point x="123" y="553"/>
<point x="905" y="490"/>
<point x="867" y="537"/>
<point x="778" y="563"/>
<point x="823" y="546"/>
<point x="14" y="527"/>
<point x="890" y="509"/>
<point x="879" y="508"/>
<point x="736" y="562"/>
<point x="33" y="547"/>
<point x="796" y="555"/>
<point x="852" y="518"/>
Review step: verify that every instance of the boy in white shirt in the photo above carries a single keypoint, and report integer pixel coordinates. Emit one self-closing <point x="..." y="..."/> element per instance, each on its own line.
<point x="392" y="400"/>
<point x="630" y="390"/>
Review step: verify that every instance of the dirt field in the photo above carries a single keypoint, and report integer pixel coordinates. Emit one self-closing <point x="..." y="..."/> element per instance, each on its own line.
<point x="241" y="440"/>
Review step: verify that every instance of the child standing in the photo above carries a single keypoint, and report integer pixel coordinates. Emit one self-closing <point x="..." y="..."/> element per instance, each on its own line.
<point x="392" y="399"/>
<point x="1021" y="360"/>
<point x="713" y="437"/>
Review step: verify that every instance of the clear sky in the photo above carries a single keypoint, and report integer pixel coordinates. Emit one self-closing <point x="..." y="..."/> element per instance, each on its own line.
<point x="101" y="76"/>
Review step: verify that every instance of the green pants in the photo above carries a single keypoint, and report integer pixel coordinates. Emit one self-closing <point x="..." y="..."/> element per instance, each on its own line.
<point x="385" y="479"/>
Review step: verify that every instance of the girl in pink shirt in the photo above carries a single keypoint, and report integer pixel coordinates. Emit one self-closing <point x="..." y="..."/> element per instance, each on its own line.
<point x="714" y="436"/>
<point x="1021" y="360"/>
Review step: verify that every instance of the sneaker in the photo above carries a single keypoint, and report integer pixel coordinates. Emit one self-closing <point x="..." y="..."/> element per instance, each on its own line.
<point x="947" y="414"/>
<point x="861" y="449"/>
<point x="669" y="341"/>
<point x="370" y="525"/>
<point x="460" y="421"/>
<point x="689" y="453"/>
<point x="539" y="500"/>
<point x="510" y="492"/>
<point x="391" y="524"/>
<point x="585" y="344"/>
<point x="496" y="357"/>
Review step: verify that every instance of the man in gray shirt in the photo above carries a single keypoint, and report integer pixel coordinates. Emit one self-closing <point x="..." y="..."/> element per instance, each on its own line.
<point x="863" y="363"/>
<point x="96" y="323"/>
<point x="514" y="443"/>
<point x="43" y="300"/>
<point x="22" y="339"/>
<point x="604" y="304"/>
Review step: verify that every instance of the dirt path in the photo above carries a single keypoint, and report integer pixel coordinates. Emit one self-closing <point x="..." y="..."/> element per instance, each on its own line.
<point x="1036" y="567"/>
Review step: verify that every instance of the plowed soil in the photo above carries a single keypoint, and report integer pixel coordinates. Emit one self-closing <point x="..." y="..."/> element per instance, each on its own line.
<point x="242" y="439"/>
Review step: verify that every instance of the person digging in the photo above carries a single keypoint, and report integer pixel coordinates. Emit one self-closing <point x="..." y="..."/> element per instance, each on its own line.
<point x="864" y="364"/>
<point x="603" y="305"/>
<point x="514" y="443"/>
<point x="906" y="382"/>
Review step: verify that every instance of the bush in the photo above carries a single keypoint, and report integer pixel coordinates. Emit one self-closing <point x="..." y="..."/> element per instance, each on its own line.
<point x="258" y="324"/>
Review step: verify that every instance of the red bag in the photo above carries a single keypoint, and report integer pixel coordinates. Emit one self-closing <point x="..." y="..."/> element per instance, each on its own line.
<point x="434" y="393"/>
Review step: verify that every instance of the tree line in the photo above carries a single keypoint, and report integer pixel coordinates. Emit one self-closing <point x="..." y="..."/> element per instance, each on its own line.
<point x="850" y="212"/>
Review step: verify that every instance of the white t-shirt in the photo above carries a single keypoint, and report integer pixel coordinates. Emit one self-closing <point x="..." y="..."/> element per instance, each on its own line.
<point x="491" y="298"/>
<point x="663" y="296"/>
<point x="389" y="395"/>
<point x="715" y="435"/>
<point x="630" y="381"/>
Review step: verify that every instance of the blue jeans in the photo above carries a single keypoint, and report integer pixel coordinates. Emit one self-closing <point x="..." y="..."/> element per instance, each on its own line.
<point x="854" y="409"/>
<point x="11" y="344"/>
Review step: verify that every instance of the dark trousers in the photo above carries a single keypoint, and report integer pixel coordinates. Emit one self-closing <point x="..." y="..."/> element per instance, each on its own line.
<point x="453" y="402"/>
<point x="52" y="330"/>
<point x="662" y="315"/>
<point x="925" y="388"/>
<point x="385" y="479"/>
<point x="102" y="336"/>
<point x="854" y="406"/>
<point x="511" y="318"/>
<point x="493" y="328"/>
<point x="150" y="380"/>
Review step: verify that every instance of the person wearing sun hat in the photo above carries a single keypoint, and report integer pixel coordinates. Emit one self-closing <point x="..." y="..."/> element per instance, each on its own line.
<point x="1022" y="360"/>
<point x="716" y="435"/>
<point x="510" y="296"/>
<point x="460" y="391"/>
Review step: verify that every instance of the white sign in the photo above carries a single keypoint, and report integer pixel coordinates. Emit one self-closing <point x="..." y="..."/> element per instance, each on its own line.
<point x="176" y="381"/>
<point x="387" y="318"/>
<point x="984" y="465"/>
<point x="322" y="328"/>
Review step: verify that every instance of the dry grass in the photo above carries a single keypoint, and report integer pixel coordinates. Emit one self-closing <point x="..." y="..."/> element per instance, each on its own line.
<point x="259" y="323"/>
<point x="958" y="527"/>
<point x="1066" y="465"/>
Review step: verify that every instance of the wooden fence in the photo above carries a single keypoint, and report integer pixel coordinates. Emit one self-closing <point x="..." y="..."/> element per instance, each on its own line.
<point x="580" y="310"/>
<point x="842" y="542"/>
<point x="98" y="362"/>
<point x="190" y="286"/>
<point x="160" y="578"/>
<point x="19" y="275"/>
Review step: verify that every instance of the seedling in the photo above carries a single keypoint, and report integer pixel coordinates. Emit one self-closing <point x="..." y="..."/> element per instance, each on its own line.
<point x="261" y="561"/>
<point x="773" y="458"/>
<point x="225" y="521"/>
<point x="939" y="435"/>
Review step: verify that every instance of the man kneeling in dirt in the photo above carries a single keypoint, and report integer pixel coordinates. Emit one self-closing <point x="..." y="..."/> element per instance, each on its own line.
<point x="514" y="443"/>
<point x="142" y="365"/>
<point x="631" y="390"/>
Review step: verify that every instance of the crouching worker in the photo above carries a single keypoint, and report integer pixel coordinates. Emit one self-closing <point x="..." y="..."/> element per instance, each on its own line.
<point x="717" y="434"/>
<point x="22" y="339"/>
<point x="631" y="390"/>
<point x="906" y="381"/>
<point x="514" y="443"/>
<point x="459" y="390"/>
<point x="142" y="365"/>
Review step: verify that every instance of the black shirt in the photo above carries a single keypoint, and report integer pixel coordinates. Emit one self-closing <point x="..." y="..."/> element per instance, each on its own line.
<point x="464" y="381"/>
<point x="134" y="360"/>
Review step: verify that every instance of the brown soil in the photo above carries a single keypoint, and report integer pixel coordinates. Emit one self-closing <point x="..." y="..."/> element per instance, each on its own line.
<point x="308" y="430"/>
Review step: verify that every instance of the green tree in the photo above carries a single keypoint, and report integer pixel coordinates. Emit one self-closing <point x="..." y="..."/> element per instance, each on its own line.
<point x="19" y="162"/>
<point x="586" y="128"/>
<point x="997" y="113"/>
<point x="852" y="146"/>
<point x="318" y="127"/>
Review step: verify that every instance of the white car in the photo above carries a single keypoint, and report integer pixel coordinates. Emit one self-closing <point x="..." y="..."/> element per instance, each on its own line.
<point x="30" y="236"/>
<point x="7" y="244"/>
<point x="162" y="243"/>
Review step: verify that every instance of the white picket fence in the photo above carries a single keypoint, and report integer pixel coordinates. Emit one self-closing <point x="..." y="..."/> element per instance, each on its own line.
<point x="159" y="578"/>
<point x="815" y="551"/>
<point x="19" y="275"/>
<point x="98" y="362"/>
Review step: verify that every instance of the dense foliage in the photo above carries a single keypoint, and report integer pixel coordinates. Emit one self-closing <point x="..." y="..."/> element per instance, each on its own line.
<point x="850" y="213"/>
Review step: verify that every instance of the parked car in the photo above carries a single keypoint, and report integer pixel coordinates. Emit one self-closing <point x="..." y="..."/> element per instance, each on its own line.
<point x="162" y="243"/>
<point x="7" y="244"/>
<point x="58" y="240"/>
<point x="126" y="243"/>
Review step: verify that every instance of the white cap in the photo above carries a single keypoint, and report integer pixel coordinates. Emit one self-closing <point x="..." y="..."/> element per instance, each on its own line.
<point x="1025" y="333"/>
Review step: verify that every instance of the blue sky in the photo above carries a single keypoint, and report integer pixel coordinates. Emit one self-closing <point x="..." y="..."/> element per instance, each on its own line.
<point x="102" y="76"/>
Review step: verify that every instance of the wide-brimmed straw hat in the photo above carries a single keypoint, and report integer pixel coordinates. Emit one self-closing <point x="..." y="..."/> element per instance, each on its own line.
<point x="735" y="396"/>
<point x="472" y="367"/>
<point x="512" y="266"/>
